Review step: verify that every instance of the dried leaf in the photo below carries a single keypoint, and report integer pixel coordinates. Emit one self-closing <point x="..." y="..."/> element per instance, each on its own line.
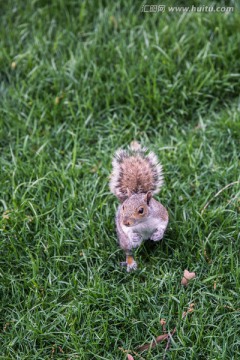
<point x="153" y="343"/>
<point x="207" y="257"/>
<point x="189" y="310"/>
<point x="163" y="323"/>
<point x="167" y="336"/>
<point x="187" y="276"/>
<point x="184" y="281"/>
<point x="130" y="357"/>
<point x="13" y="65"/>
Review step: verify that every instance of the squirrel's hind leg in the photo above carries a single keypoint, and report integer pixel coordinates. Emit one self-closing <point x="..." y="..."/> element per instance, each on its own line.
<point x="130" y="263"/>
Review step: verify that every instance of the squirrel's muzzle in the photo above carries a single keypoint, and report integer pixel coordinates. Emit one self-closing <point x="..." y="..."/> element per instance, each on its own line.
<point x="127" y="222"/>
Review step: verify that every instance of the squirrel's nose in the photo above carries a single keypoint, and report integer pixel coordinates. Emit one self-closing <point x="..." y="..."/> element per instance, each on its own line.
<point x="126" y="222"/>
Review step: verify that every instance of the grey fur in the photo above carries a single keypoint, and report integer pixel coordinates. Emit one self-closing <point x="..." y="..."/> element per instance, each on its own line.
<point x="134" y="227"/>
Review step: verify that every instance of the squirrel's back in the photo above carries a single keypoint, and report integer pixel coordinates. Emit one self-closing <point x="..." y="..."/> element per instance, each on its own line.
<point x="135" y="171"/>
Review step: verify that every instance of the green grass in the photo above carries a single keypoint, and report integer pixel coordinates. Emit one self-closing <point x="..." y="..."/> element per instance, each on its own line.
<point x="78" y="80"/>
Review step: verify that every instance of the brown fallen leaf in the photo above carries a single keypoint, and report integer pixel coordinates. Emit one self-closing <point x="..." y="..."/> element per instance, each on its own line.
<point x="158" y="339"/>
<point x="187" y="276"/>
<point x="184" y="281"/>
<point x="128" y="351"/>
<point x="207" y="257"/>
<point x="189" y="310"/>
<point x="153" y="343"/>
<point x="168" y="343"/>
<point x="58" y="99"/>
<point x="163" y="323"/>
<point x="6" y="326"/>
<point x="130" y="357"/>
<point x="167" y="336"/>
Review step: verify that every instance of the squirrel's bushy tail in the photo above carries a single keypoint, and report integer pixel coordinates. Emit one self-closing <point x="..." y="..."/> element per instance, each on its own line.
<point x="135" y="171"/>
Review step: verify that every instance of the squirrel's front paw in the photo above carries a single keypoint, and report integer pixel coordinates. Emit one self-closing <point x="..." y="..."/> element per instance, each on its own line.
<point x="157" y="235"/>
<point x="132" y="266"/>
<point x="136" y="240"/>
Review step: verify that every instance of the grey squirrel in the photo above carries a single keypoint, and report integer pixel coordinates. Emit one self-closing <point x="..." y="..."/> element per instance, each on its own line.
<point x="135" y="177"/>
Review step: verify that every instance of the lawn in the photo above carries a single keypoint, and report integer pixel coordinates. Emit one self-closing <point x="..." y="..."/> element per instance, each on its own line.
<point x="79" y="79"/>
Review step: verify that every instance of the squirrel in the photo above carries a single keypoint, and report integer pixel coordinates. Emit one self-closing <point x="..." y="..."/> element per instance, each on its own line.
<point x="136" y="176"/>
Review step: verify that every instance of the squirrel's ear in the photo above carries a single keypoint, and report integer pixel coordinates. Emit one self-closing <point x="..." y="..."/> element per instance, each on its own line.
<point x="148" y="197"/>
<point x="129" y="193"/>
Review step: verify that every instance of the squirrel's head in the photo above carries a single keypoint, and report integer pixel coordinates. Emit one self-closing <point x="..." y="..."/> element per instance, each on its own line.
<point x="135" y="209"/>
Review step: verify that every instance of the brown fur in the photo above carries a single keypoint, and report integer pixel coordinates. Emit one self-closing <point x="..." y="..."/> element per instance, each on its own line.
<point x="136" y="175"/>
<point x="135" y="171"/>
<point x="129" y="259"/>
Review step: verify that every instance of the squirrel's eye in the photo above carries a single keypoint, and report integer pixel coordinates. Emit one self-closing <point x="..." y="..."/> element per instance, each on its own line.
<point x="141" y="210"/>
